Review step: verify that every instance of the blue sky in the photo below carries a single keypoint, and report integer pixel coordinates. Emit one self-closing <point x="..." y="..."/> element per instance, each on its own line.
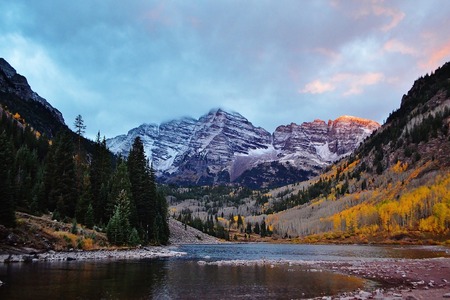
<point x="123" y="63"/>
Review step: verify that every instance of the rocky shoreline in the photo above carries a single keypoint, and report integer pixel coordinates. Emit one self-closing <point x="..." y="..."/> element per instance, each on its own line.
<point x="107" y="254"/>
<point x="394" y="279"/>
<point x="402" y="278"/>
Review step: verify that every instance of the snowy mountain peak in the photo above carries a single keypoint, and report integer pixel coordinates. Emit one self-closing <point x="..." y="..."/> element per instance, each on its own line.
<point x="223" y="147"/>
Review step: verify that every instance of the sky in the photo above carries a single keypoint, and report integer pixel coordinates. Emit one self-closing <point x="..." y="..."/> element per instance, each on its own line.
<point x="120" y="64"/>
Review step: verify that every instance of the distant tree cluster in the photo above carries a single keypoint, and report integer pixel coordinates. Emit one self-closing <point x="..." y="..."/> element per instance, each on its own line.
<point x="119" y="196"/>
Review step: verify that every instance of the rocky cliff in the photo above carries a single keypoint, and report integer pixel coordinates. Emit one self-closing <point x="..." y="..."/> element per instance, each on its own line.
<point x="17" y="95"/>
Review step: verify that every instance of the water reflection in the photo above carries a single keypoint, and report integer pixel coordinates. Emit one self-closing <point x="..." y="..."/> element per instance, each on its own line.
<point x="185" y="278"/>
<point x="253" y="282"/>
<point x="166" y="279"/>
<point x="311" y="252"/>
<point x="82" y="280"/>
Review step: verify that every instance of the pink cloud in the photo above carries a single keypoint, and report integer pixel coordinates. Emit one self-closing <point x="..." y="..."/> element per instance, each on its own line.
<point x="394" y="45"/>
<point x="351" y="84"/>
<point x="437" y="57"/>
<point x="363" y="9"/>
<point x="318" y="87"/>
<point x="357" y="82"/>
<point x="396" y="16"/>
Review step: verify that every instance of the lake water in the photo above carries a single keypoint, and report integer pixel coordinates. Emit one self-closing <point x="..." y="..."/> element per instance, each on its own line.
<point x="186" y="278"/>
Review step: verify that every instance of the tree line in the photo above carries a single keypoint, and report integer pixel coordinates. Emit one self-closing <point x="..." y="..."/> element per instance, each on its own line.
<point x="58" y="176"/>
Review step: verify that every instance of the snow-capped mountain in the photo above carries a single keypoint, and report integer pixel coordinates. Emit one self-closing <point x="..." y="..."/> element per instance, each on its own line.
<point x="223" y="147"/>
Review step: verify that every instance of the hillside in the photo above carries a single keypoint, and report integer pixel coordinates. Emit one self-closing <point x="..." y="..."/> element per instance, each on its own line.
<point x="41" y="234"/>
<point x="396" y="185"/>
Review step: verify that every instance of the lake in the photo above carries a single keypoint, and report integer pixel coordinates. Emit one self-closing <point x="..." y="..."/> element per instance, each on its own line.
<point x="198" y="275"/>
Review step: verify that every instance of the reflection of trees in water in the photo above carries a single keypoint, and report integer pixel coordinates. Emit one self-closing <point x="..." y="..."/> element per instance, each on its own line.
<point x="83" y="280"/>
<point x="171" y="278"/>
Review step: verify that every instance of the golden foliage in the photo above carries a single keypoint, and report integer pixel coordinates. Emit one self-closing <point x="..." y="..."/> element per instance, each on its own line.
<point x="425" y="208"/>
<point x="399" y="167"/>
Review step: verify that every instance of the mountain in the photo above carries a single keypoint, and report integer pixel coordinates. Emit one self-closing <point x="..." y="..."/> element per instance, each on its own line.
<point x="223" y="147"/>
<point x="393" y="188"/>
<point x="17" y="96"/>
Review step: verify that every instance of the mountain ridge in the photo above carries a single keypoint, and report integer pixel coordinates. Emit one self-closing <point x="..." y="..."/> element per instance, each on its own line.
<point x="220" y="147"/>
<point x="17" y="95"/>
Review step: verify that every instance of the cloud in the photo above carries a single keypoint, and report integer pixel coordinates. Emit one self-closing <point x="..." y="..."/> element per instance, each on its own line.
<point x="318" y="87"/>
<point x="394" y="45"/>
<point x="120" y="64"/>
<point x="366" y="9"/>
<point x="349" y="84"/>
<point x="436" y="56"/>
<point x="396" y="16"/>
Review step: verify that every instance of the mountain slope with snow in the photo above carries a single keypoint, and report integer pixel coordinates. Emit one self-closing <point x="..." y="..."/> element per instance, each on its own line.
<point x="223" y="147"/>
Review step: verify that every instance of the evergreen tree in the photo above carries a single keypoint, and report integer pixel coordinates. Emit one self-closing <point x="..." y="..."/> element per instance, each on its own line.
<point x="240" y="223"/>
<point x="119" y="230"/>
<point x="263" y="228"/>
<point x="25" y="177"/>
<point x="61" y="184"/>
<point x="80" y="129"/>
<point x="100" y="174"/>
<point x="256" y="229"/>
<point x="248" y="230"/>
<point x="120" y="181"/>
<point x="162" y="222"/>
<point x="7" y="216"/>
<point x="141" y="189"/>
<point x="89" y="217"/>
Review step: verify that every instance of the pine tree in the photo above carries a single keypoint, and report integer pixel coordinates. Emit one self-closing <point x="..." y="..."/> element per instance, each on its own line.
<point x="263" y="228"/>
<point x="61" y="184"/>
<point x="119" y="230"/>
<point x="80" y="129"/>
<point x="141" y="189"/>
<point x="256" y="229"/>
<point x="151" y="206"/>
<point x="89" y="217"/>
<point x="25" y="177"/>
<point x="248" y="230"/>
<point x="100" y="174"/>
<point x="7" y="216"/>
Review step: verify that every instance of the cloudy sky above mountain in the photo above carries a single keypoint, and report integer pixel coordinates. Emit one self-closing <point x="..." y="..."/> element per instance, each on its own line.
<point x="123" y="63"/>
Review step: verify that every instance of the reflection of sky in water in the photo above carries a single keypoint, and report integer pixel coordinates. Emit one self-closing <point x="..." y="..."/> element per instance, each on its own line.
<point x="310" y="252"/>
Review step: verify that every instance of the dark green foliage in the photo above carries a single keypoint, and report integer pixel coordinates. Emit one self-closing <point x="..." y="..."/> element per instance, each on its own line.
<point x="7" y="216"/>
<point x="74" y="229"/>
<point x="263" y="229"/>
<point x="257" y="229"/>
<point x="248" y="229"/>
<point x="119" y="228"/>
<point x="279" y="174"/>
<point x="25" y="177"/>
<point x="100" y="174"/>
<point x="321" y="187"/>
<point x="61" y="184"/>
<point x="151" y="207"/>
<point x="89" y="217"/>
